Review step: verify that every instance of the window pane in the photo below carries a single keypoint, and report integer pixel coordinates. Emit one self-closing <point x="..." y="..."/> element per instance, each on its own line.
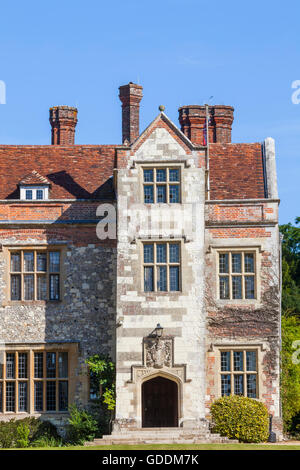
<point x="63" y="365"/>
<point x="251" y="360"/>
<point x="161" y="194"/>
<point x="15" y="285"/>
<point x="38" y="396"/>
<point x="63" y="395"/>
<point x="39" y="194"/>
<point x="238" y="385"/>
<point x="54" y="287"/>
<point x="41" y="262"/>
<point x="225" y="385"/>
<point x="54" y="261"/>
<point x="148" y="279"/>
<point x="161" y="175"/>
<point x="38" y="365"/>
<point x="236" y="259"/>
<point x="161" y="278"/>
<point x="249" y="287"/>
<point x="161" y="253"/>
<point x="236" y="287"/>
<point x="174" y="278"/>
<point x="224" y="287"/>
<point x="174" y="174"/>
<point x="22" y="396"/>
<point x="249" y="263"/>
<point x="28" y="287"/>
<point x="28" y="261"/>
<point x="223" y="263"/>
<point x="148" y="253"/>
<point x="148" y="176"/>
<point x="10" y="365"/>
<point x="174" y="252"/>
<point x="51" y="364"/>
<point x="51" y="396"/>
<point x="225" y="360"/>
<point x="174" y="193"/>
<point x="148" y="194"/>
<point x="251" y="385"/>
<point x="28" y="194"/>
<point x="10" y="396"/>
<point x="41" y="287"/>
<point x="15" y="262"/>
<point x="238" y="360"/>
<point x="22" y="366"/>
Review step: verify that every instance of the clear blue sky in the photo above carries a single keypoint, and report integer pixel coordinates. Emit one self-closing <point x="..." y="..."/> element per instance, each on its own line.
<point x="78" y="53"/>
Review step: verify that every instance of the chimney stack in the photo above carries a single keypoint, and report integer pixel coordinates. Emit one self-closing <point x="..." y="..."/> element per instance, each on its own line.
<point x="192" y="120"/>
<point x="130" y="96"/>
<point x="63" y="120"/>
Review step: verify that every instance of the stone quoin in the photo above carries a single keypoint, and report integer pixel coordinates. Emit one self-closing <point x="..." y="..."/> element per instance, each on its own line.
<point x="212" y="282"/>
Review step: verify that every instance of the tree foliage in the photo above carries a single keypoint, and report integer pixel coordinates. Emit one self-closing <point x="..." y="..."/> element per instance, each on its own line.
<point x="290" y="375"/>
<point x="102" y="373"/>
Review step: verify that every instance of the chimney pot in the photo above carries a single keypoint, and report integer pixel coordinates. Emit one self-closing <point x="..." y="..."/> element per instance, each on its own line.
<point x="130" y="96"/>
<point x="63" y="120"/>
<point x="192" y="120"/>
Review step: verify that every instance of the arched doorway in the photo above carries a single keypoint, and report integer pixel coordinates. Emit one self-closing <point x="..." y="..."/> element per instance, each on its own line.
<point x="159" y="403"/>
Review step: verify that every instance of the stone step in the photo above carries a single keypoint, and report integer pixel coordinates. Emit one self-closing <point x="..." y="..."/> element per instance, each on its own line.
<point x="207" y="440"/>
<point x="157" y="435"/>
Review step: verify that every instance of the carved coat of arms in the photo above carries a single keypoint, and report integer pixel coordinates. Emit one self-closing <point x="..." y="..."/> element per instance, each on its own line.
<point x="158" y="353"/>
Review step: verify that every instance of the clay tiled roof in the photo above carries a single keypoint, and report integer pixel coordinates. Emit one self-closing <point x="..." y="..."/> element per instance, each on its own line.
<point x="236" y="171"/>
<point x="34" y="178"/>
<point x="77" y="172"/>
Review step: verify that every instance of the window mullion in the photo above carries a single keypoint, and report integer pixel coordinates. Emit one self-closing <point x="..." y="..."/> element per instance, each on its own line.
<point x="22" y="276"/>
<point x="230" y="276"/>
<point x="44" y="380"/>
<point x="154" y="268"/>
<point x="16" y="382"/>
<point x="245" y="373"/>
<point x="56" y="382"/>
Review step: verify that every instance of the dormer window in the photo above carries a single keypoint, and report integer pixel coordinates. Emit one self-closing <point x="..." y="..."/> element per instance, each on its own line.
<point x="34" y="187"/>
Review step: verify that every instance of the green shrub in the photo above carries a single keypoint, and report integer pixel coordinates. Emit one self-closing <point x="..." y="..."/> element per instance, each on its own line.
<point x="21" y="433"/>
<point x="240" y="418"/>
<point x="82" y="426"/>
<point x="8" y="433"/>
<point x="22" y="439"/>
<point x="46" y="441"/>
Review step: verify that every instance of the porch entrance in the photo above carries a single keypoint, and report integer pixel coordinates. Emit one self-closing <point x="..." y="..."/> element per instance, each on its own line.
<point x="159" y="403"/>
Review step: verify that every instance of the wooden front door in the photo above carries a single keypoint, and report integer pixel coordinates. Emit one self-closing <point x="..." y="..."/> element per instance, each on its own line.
<point x="159" y="403"/>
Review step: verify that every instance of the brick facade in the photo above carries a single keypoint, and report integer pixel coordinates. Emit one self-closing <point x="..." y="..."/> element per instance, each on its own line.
<point x="228" y="203"/>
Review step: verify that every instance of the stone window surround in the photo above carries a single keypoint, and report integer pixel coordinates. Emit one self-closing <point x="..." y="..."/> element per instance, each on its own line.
<point x="7" y="249"/>
<point x="182" y="264"/>
<point x="30" y="349"/>
<point x="161" y="165"/>
<point x="260" y="349"/>
<point x="257" y="250"/>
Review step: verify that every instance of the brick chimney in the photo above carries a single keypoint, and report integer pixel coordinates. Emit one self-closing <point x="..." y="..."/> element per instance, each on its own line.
<point x="130" y="96"/>
<point x="192" y="120"/>
<point x="63" y="120"/>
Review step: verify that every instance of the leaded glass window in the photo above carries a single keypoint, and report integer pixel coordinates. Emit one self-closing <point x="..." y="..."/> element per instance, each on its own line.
<point x="161" y="266"/>
<point x="161" y="185"/>
<point x="37" y="377"/>
<point x="35" y="275"/>
<point x="237" y="275"/>
<point x="239" y="373"/>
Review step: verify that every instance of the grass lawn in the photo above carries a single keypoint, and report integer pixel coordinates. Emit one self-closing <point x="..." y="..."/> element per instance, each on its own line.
<point x="182" y="447"/>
